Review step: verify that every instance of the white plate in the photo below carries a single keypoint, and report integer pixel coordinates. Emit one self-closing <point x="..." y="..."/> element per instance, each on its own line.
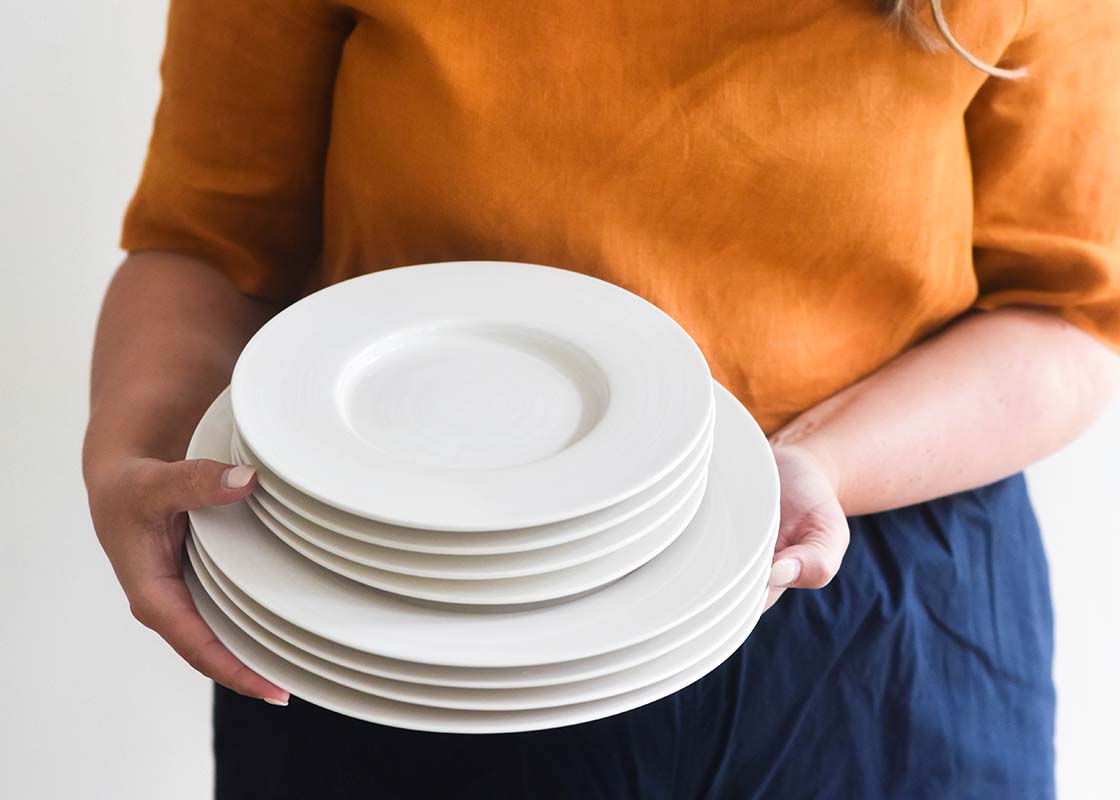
<point x="478" y="677"/>
<point x="360" y="705"/>
<point x="501" y="566"/>
<point x="731" y="531"/>
<point x="471" y="396"/>
<point x="560" y="694"/>
<point x="477" y="542"/>
<point x="535" y="588"/>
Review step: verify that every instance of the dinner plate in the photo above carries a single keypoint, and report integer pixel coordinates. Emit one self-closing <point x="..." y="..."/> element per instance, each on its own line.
<point x="534" y="588"/>
<point x="344" y="700"/>
<point x="732" y="529"/>
<point x="504" y="565"/>
<point x="478" y="677"/>
<point x="566" y="693"/>
<point x="477" y="542"/>
<point x="475" y="383"/>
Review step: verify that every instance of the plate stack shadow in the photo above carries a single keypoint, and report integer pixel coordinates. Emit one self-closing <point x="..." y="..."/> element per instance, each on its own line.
<point x="491" y="497"/>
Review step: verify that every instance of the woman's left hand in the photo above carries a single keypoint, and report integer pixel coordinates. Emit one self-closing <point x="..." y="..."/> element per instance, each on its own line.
<point x="813" y="535"/>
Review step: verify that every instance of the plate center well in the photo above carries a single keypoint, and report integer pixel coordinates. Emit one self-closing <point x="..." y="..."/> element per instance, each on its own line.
<point x="472" y="397"/>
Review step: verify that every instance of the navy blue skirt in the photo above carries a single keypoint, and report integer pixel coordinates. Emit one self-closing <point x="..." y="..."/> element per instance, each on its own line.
<point x="921" y="671"/>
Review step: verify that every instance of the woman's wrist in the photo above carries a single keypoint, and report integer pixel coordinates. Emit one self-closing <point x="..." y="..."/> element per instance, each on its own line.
<point x="140" y="421"/>
<point x="149" y="391"/>
<point x="948" y="414"/>
<point x="802" y="438"/>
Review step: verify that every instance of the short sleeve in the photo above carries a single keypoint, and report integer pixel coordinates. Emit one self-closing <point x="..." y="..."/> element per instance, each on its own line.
<point x="234" y="169"/>
<point x="1046" y="166"/>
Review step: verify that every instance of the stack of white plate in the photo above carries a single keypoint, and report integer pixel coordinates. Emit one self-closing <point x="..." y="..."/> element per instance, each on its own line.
<point x="492" y="497"/>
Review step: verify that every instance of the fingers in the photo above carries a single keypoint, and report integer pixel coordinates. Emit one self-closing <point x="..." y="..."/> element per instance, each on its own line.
<point x="142" y="530"/>
<point x="772" y="595"/>
<point x="187" y="485"/>
<point x="166" y="607"/>
<point x="814" y="559"/>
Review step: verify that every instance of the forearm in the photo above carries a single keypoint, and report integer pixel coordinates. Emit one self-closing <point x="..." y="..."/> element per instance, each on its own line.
<point x="169" y="333"/>
<point x="983" y="399"/>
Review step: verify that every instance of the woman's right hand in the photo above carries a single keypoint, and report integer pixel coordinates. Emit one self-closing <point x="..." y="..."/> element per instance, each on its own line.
<point x="138" y="507"/>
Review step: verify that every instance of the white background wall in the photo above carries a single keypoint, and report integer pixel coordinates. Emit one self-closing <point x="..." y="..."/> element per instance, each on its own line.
<point x="92" y="705"/>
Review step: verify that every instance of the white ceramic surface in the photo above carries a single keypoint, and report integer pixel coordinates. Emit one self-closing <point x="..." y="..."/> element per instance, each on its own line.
<point x="360" y="705"/>
<point x="535" y="588"/>
<point x="548" y="696"/>
<point x="475" y="383"/>
<point x="476" y="542"/>
<point x="582" y="551"/>
<point x="480" y="677"/>
<point x="732" y="529"/>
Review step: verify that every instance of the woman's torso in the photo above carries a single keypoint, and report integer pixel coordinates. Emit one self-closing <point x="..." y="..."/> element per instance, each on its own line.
<point x="790" y="181"/>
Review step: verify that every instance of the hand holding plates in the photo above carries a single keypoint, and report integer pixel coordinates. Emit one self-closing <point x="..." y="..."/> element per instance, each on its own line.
<point x="491" y="497"/>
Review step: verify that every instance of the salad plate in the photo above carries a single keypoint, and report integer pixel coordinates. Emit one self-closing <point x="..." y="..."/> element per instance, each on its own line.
<point x="490" y="395"/>
<point x="538" y="587"/>
<point x="647" y="526"/>
<point x="279" y="494"/>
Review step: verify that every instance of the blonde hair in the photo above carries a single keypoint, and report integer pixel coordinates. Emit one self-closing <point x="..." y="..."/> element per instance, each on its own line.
<point x="903" y="16"/>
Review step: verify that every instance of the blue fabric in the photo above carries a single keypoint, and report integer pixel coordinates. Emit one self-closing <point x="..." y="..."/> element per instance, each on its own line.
<point x="922" y="671"/>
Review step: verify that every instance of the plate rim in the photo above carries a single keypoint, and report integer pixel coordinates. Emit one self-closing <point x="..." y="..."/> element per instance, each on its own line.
<point x="483" y="566"/>
<point x="425" y="645"/>
<point x="472" y="591"/>
<point x="579" y="690"/>
<point x="466" y="542"/>
<point x="396" y="714"/>
<point x="518" y="676"/>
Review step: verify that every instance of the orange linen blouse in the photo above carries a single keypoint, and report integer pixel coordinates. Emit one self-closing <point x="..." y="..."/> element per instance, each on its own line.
<point x="807" y="193"/>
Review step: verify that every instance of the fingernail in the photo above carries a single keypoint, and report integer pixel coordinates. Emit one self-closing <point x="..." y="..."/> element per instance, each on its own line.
<point x="272" y="701"/>
<point x="238" y="477"/>
<point x="785" y="572"/>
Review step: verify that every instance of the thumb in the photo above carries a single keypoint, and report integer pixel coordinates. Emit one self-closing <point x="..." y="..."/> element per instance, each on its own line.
<point x="813" y="561"/>
<point x="187" y="485"/>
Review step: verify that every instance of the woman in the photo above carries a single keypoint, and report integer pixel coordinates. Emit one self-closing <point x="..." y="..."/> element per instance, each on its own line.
<point x="906" y="267"/>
